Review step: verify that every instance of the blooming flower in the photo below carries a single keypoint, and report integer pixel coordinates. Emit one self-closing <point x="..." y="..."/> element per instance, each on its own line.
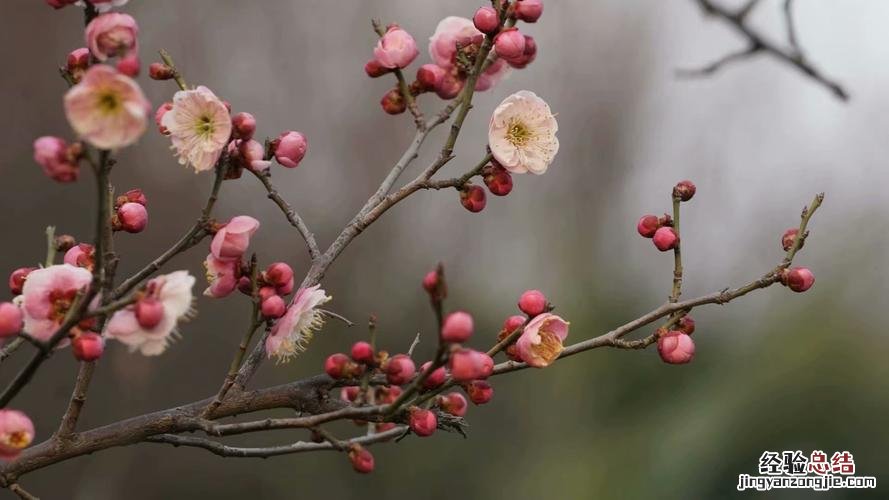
<point x="396" y="49"/>
<point x="232" y="240"/>
<point x="222" y="276"/>
<point x="522" y="134"/>
<point x="47" y="296"/>
<point x="200" y="126"/>
<point x="541" y="341"/>
<point x="173" y="291"/>
<point x="16" y="433"/>
<point x="107" y="109"/>
<point x="295" y="329"/>
<point x="443" y="50"/>
<point x="112" y="35"/>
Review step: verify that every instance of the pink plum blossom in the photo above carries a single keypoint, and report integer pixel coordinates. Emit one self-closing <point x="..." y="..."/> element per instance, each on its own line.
<point x="541" y="341"/>
<point x="16" y="433"/>
<point x="112" y="35"/>
<point x="47" y="296"/>
<point x="676" y="347"/>
<point x="295" y="329"/>
<point x="222" y="276"/>
<point x="396" y="49"/>
<point x="58" y="160"/>
<point x="173" y="291"/>
<point x="199" y="125"/>
<point x="107" y="108"/>
<point x="232" y="240"/>
<point x="443" y="51"/>
<point x="522" y="134"/>
<point x="290" y="147"/>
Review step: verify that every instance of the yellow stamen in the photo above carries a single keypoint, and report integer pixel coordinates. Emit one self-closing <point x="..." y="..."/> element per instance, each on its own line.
<point x="517" y="133"/>
<point x="549" y="347"/>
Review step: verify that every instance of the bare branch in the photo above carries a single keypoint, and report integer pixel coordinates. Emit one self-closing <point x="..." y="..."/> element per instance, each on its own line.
<point x="292" y="216"/>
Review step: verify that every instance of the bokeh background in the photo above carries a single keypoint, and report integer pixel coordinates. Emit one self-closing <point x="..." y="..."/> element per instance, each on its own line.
<point x="774" y="370"/>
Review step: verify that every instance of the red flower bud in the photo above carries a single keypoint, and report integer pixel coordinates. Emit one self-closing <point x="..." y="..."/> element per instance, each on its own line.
<point x="17" y="279"/>
<point x="436" y="378"/>
<point x="686" y="325"/>
<point x="132" y="217"/>
<point x="532" y="303"/>
<point x="393" y="102"/>
<point x="430" y="76"/>
<point x="87" y="346"/>
<point x="498" y="180"/>
<point x="453" y="403"/>
<point x="457" y="327"/>
<point x="160" y="71"/>
<point x="468" y="364"/>
<point x="149" y="312"/>
<point x="486" y="20"/>
<point x="374" y="69"/>
<point x="362" y="352"/>
<point x="423" y="422"/>
<point x="280" y="276"/>
<point x="362" y="460"/>
<point x="648" y="225"/>
<point x="400" y="369"/>
<point x="340" y="366"/>
<point x="665" y="239"/>
<point x="273" y="307"/>
<point x="473" y="198"/>
<point x="129" y="65"/>
<point x="799" y="279"/>
<point x="10" y="320"/>
<point x="479" y="391"/>
<point x="243" y="126"/>
<point x="675" y="347"/>
<point x="509" y="43"/>
<point x="684" y="190"/>
<point x="528" y="10"/>
<point x="788" y="239"/>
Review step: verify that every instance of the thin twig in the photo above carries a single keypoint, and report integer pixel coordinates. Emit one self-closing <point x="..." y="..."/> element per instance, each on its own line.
<point x="292" y="216"/>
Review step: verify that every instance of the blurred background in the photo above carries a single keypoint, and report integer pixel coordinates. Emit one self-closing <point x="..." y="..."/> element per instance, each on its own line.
<point x="774" y="370"/>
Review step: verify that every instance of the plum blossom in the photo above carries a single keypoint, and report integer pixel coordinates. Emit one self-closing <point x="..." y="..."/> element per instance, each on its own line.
<point x="107" y="108"/>
<point x="173" y="291"/>
<point x="443" y="50"/>
<point x="232" y="240"/>
<point x="541" y="341"/>
<point x="58" y="159"/>
<point x="522" y="134"/>
<point x="112" y="35"/>
<point x="295" y="329"/>
<point x="47" y="296"/>
<point x="222" y="276"/>
<point x="16" y="433"/>
<point x="396" y="49"/>
<point x="199" y="125"/>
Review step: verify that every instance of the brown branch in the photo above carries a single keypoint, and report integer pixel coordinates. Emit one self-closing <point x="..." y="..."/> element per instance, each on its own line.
<point x="78" y="399"/>
<point x="292" y="216"/>
<point x="21" y="492"/>
<point x="760" y="44"/>
<point x="403" y="88"/>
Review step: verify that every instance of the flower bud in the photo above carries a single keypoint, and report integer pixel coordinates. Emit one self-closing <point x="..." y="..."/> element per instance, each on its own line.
<point x="77" y="62"/>
<point x="58" y="4"/>
<point x="423" y="422"/>
<point x="532" y="302"/>
<point x="88" y="346"/>
<point x="430" y="76"/>
<point x="56" y="158"/>
<point x="363" y="352"/>
<point x="160" y="71"/>
<point x="149" y="312"/>
<point x="374" y="69"/>
<point x="10" y="320"/>
<point x="265" y="292"/>
<point x="133" y="217"/>
<point x="453" y="403"/>
<point x="430" y="281"/>
<point x="528" y="55"/>
<point x="279" y="275"/>
<point x="129" y="65"/>
<point x="16" y="433"/>
<point x="396" y="48"/>
<point x="648" y="225"/>
<point x="82" y="255"/>
<point x="159" y="116"/>
<point x="112" y="35"/>
<point x="243" y="126"/>
<point x="340" y="366"/>
<point x="479" y="391"/>
<point x="400" y="369"/>
<point x="289" y="148"/>
<point x="686" y="325"/>
<point x="509" y="43"/>
<point x="528" y="10"/>
<point x="388" y="394"/>
<point x="684" y="190"/>
<point x="132" y="196"/>
<point x="467" y="364"/>
<point x="273" y="307"/>
<point x="436" y="378"/>
<point x="362" y="460"/>
<point x="17" y="279"/>
<point x="393" y="102"/>
<point x="457" y="327"/>
<point x="675" y="347"/>
<point x="350" y="393"/>
<point x="789" y="238"/>
<point x="472" y="198"/>
<point x="498" y="180"/>
<point x="798" y="279"/>
<point x="665" y="239"/>
<point x="449" y="87"/>
<point x="486" y="20"/>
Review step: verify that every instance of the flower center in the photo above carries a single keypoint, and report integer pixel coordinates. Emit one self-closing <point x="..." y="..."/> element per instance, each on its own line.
<point x="61" y="301"/>
<point x="109" y="102"/>
<point x="549" y="347"/>
<point x="17" y="439"/>
<point x="204" y="126"/>
<point x="517" y="133"/>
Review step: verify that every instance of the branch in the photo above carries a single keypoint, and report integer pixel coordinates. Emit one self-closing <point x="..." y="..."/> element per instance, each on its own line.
<point x="292" y="216"/>
<point x="759" y="43"/>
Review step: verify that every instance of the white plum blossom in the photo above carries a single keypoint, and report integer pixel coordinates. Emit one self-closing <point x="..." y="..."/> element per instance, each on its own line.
<point x="295" y="329"/>
<point x="200" y="126"/>
<point x="522" y="134"/>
